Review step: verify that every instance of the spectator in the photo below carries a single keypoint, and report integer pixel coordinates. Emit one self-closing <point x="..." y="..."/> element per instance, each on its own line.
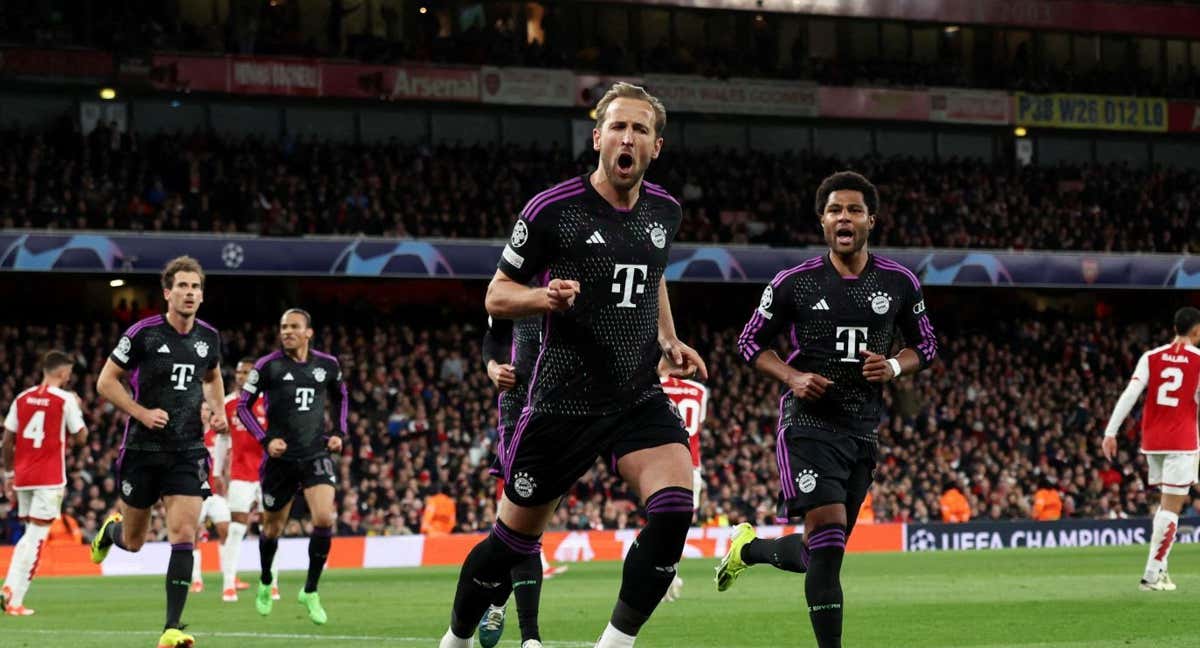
<point x="1047" y="502"/>
<point x="440" y="513"/>
<point x="954" y="504"/>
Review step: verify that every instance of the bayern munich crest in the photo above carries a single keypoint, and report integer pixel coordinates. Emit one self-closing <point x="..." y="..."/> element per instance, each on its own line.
<point x="658" y="235"/>
<point x="202" y="349"/>
<point x="881" y="302"/>
<point x="524" y="484"/>
<point x="319" y="374"/>
<point x="806" y="481"/>
<point x="520" y="234"/>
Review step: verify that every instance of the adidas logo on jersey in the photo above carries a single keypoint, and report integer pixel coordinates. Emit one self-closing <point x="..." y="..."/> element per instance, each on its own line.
<point x="821" y="305"/>
<point x="288" y="376"/>
<point x="595" y="238"/>
<point x="164" y="349"/>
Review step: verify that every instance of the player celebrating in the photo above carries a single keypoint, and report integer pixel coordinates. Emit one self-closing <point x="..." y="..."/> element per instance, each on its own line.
<point x="842" y="310"/>
<point x="511" y="349"/>
<point x="1170" y="436"/>
<point x="246" y="456"/>
<point x="602" y="241"/>
<point x="174" y="363"/>
<point x="294" y="382"/>
<point x="215" y="507"/>
<point x="691" y="399"/>
<point x="35" y="446"/>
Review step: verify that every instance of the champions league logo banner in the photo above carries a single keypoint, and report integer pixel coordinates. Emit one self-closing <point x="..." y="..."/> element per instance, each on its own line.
<point x="972" y="536"/>
<point x="382" y="257"/>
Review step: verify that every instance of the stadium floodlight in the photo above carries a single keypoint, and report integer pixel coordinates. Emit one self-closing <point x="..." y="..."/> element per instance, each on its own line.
<point x="116" y="283"/>
<point x="108" y="94"/>
<point x="1020" y="131"/>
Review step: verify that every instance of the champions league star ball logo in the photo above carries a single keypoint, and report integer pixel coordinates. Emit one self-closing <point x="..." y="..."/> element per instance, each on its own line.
<point x="880" y="302"/>
<point x="252" y="377"/>
<point x="524" y="484"/>
<point x="319" y="374"/>
<point x="520" y="234"/>
<point x="922" y="540"/>
<point x="806" y="481"/>
<point x="232" y="255"/>
<point x="202" y="349"/>
<point x="658" y="235"/>
<point x="768" y="296"/>
<point x="123" y="348"/>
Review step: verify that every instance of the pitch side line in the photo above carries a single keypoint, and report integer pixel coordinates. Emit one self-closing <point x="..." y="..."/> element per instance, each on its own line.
<point x="268" y="635"/>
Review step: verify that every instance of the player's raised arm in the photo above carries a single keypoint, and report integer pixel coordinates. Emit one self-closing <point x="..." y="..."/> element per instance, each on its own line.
<point x="509" y="295"/>
<point x="1129" y="398"/>
<point x="682" y="360"/>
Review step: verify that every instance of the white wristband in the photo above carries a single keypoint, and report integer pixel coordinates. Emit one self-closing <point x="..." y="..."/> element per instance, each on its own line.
<point x="895" y="365"/>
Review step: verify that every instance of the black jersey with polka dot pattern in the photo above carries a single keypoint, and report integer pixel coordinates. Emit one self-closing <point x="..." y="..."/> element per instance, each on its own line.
<point x="599" y="357"/>
<point x="830" y="320"/>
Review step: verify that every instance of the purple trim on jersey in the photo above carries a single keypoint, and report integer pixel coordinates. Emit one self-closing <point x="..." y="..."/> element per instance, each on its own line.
<point x="182" y="546"/>
<point x="805" y="556"/>
<point x="622" y="210"/>
<point x="322" y="532"/>
<point x="746" y="342"/>
<point x="322" y="354"/>
<point x="850" y="277"/>
<point x="784" y="462"/>
<point x="659" y="191"/>
<point x="795" y="340"/>
<point x="243" y="407"/>
<point x="559" y="198"/>
<point x="670" y="503"/>
<point x="527" y="411"/>
<point x="207" y="326"/>
<point x="553" y="194"/>
<point x="573" y="183"/>
<point x="153" y="320"/>
<point x="888" y="264"/>
<point x="824" y="534"/>
<point x="344" y="414"/>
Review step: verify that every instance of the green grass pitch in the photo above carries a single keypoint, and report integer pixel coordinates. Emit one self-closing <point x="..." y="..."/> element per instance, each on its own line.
<point x="1027" y="597"/>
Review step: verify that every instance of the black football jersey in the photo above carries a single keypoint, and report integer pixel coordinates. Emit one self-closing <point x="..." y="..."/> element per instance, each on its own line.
<point x="599" y="357"/>
<point x="516" y="343"/>
<point x="167" y="372"/>
<point x="296" y="394"/>
<point x="829" y="320"/>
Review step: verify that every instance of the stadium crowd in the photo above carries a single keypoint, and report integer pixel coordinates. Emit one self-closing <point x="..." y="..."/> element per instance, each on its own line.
<point x="1010" y="407"/>
<point x="207" y="183"/>
<point x="749" y="45"/>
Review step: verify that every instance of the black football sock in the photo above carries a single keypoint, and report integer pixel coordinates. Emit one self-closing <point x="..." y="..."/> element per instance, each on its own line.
<point x="651" y="561"/>
<point x="527" y="590"/>
<point x="318" y="551"/>
<point x="823" y="585"/>
<point x="266" y="557"/>
<point x="179" y="579"/>
<point x="113" y="536"/>
<point x="486" y="571"/>
<point x="788" y="553"/>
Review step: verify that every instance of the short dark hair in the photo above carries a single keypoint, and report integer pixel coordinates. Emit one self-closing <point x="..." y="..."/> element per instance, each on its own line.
<point x="247" y="360"/>
<point x="180" y="264"/>
<point x="1186" y="319"/>
<point x="54" y="360"/>
<point x="299" y="311"/>
<point x="847" y="181"/>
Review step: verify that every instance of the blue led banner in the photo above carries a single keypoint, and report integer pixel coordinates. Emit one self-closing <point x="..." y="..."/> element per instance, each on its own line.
<point x="375" y="257"/>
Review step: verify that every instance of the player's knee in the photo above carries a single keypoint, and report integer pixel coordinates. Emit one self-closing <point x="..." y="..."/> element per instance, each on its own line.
<point x="324" y="519"/>
<point x="133" y="541"/>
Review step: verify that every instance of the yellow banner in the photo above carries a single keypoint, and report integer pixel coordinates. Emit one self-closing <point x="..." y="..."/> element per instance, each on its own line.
<point x="1097" y="112"/>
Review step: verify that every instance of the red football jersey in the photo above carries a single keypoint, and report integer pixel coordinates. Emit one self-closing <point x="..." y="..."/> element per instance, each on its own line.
<point x="39" y="420"/>
<point x="691" y="398"/>
<point x="1171" y="374"/>
<point x="210" y="442"/>
<point x="247" y="452"/>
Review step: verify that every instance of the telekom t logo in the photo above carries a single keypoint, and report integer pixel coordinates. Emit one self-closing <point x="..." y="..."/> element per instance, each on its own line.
<point x="304" y="397"/>
<point x="856" y="340"/>
<point x="181" y="374"/>
<point x="631" y="284"/>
